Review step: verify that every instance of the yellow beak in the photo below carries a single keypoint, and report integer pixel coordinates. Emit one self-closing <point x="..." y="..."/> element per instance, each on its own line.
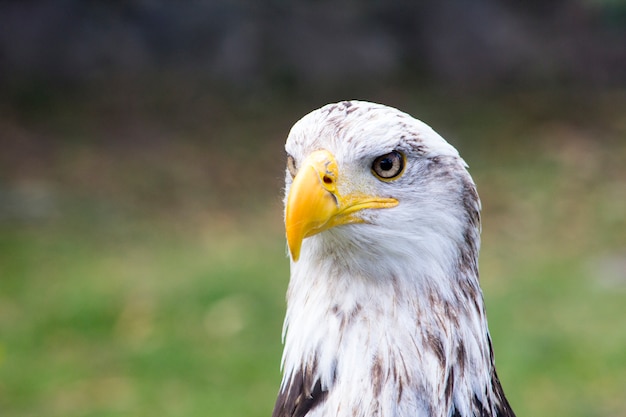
<point x="315" y="205"/>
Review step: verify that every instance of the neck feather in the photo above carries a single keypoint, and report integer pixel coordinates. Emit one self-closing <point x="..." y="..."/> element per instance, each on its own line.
<point x="414" y="338"/>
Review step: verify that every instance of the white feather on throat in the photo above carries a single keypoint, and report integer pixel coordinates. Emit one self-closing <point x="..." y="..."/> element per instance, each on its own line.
<point x="385" y="316"/>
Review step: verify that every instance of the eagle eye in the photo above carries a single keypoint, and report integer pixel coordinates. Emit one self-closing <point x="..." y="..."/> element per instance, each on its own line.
<point x="388" y="166"/>
<point x="291" y="166"/>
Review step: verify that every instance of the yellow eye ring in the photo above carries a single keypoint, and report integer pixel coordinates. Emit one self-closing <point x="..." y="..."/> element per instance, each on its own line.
<point x="389" y="166"/>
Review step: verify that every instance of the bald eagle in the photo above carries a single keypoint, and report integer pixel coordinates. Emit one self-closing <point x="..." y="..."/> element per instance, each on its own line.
<point x="385" y="315"/>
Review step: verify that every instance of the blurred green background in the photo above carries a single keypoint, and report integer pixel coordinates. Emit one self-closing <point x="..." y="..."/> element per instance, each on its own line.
<point x="142" y="260"/>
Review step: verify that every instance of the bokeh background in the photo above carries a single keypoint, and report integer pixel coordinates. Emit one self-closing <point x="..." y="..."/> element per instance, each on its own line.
<point x="142" y="259"/>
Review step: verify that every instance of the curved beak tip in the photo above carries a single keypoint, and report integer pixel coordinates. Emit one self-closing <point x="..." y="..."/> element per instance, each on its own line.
<point x="295" y="255"/>
<point x="294" y="243"/>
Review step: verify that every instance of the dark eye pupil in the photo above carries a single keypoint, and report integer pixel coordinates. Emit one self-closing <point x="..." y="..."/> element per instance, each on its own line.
<point x="386" y="164"/>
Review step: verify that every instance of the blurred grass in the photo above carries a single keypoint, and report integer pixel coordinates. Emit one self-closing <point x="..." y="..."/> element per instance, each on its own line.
<point x="143" y="268"/>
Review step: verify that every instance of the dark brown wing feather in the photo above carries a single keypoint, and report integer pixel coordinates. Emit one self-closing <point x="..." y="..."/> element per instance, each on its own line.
<point x="300" y="396"/>
<point x="503" y="409"/>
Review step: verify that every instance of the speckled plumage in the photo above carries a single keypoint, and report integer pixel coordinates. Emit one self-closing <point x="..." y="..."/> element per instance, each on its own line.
<point x="386" y="318"/>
